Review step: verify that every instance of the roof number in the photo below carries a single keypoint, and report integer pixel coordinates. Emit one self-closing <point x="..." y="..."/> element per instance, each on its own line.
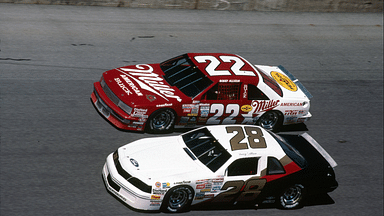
<point x="254" y="136"/>
<point x="214" y="63"/>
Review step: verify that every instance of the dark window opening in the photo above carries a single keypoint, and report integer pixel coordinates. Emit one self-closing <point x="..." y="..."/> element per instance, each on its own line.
<point x="255" y="93"/>
<point x="244" y="166"/>
<point x="274" y="166"/>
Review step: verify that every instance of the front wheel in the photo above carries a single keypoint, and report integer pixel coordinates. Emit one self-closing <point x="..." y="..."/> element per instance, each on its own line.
<point x="161" y="121"/>
<point x="271" y="120"/>
<point x="292" y="197"/>
<point x="178" y="199"/>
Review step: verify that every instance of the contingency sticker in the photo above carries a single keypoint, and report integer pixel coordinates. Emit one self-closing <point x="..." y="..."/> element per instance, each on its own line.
<point x="284" y="81"/>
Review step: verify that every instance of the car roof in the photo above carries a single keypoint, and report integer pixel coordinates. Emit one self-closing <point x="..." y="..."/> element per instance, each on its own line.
<point x="225" y="138"/>
<point x="225" y="67"/>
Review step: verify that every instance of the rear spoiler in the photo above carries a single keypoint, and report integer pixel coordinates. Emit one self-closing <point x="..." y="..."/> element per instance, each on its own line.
<point x="320" y="149"/>
<point x="296" y="81"/>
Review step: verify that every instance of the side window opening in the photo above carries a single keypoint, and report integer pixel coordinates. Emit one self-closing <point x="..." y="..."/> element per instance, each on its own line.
<point x="274" y="167"/>
<point x="223" y="91"/>
<point x="244" y="166"/>
<point x="255" y="93"/>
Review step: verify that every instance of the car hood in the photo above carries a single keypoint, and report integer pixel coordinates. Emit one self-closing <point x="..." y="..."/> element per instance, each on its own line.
<point x="153" y="159"/>
<point x="142" y="84"/>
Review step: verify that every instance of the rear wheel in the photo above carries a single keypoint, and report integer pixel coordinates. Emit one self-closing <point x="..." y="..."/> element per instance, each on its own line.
<point x="292" y="197"/>
<point x="161" y="121"/>
<point x="271" y="120"/>
<point x="178" y="199"/>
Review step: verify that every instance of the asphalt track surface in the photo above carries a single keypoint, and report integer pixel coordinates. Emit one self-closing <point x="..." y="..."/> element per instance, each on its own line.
<point x="54" y="143"/>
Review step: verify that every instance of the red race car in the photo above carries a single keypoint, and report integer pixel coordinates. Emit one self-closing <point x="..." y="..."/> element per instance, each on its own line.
<point x="197" y="89"/>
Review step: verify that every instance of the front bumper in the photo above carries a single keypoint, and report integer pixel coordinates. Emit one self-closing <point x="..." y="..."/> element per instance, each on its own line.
<point x="126" y="192"/>
<point x="113" y="113"/>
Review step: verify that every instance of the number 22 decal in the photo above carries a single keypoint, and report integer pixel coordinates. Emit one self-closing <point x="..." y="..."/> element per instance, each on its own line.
<point x="218" y="109"/>
<point x="214" y="63"/>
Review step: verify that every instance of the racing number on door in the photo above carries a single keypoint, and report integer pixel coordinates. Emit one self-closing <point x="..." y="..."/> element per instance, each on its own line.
<point x="218" y="109"/>
<point x="255" y="137"/>
<point x="214" y="63"/>
<point x="241" y="191"/>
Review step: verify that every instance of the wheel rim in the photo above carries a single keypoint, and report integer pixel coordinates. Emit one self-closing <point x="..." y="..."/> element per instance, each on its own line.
<point x="292" y="195"/>
<point x="269" y="120"/>
<point x="161" y="120"/>
<point x="178" y="198"/>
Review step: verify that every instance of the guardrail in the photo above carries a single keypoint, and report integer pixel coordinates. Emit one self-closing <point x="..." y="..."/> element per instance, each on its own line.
<point x="238" y="5"/>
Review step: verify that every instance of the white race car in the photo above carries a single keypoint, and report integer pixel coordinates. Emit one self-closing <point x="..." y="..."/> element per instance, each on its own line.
<point x="236" y="164"/>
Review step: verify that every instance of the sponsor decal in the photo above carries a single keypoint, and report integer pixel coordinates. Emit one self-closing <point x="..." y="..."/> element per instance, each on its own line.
<point x="204" y="110"/>
<point x="263" y="105"/>
<point x="291" y="120"/>
<point x="216" y="188"/>
<point x="132" y="85"/>
<point x="204" y="119"/>
<point x="166" y="185"/>
<point x="143" y="75"/>
<point x="291" y="104"/>
<point x="134" y="162"/>
<point x="118" y="195"/>
<point x="199" y="196"/>
<point x="158" y="184"/>
<point x="159" y="191"/>
<point x="200" y="186"/>
<point x="183" y="120"/>
<point x="294" y="112"/>
<point x="154" y="203"/>
<point x="122" y="86"/>
<point x="183" y="182"/>
<point x="284" y="81"/>
<point x="140" y="113"/>
<point x="230" y="81"/>
<point x="155" y="197"/>
<point x="301" y="120"/>
<point x="209" y="195"/>
<point x="246" y="108"/>
<point x="164" y="105"/>
<point x="245" y="93"/>
<point x="206" y="190"/>
<point x="151" y="98"/>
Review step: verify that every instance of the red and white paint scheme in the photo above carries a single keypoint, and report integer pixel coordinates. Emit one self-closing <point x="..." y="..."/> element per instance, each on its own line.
<point x="231" y="164"/>
<point x="197" y="89"/>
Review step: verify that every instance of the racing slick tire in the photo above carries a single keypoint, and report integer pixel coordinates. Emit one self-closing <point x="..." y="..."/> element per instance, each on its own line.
<point x="161" y="121"/>
<point x="178" y="199"/>
<point x="271" y="120"/>
<point x="292" y="197"/>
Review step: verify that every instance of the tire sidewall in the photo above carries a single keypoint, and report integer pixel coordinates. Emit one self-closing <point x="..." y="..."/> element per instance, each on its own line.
<point x="297" y="204"/>
<point x="185" y="207"/>
<point x="168" y="128"/>
<point x="277" y="125"/>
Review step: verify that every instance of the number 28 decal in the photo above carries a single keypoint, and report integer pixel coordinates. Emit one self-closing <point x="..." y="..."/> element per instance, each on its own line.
<point x="214" y="63"/>
<point x="254" y="136"/>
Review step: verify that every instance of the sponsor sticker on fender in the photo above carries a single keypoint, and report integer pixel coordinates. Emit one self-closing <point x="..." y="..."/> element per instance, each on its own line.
<point x="284" y="81"/>
<point x="246" y="108"/>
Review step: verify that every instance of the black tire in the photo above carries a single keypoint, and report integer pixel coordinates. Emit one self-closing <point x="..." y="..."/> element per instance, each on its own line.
<point x="292" y="197"/>
<point x="178" y="199"/>
<point x="271" y="120"/>
<point x="161" y="121"/>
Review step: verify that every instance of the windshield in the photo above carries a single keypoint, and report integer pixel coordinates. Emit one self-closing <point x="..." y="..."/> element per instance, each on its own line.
<point x="290" y="151"/>
<point x="206" y="148"/>
<point x="182" y="73"/>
